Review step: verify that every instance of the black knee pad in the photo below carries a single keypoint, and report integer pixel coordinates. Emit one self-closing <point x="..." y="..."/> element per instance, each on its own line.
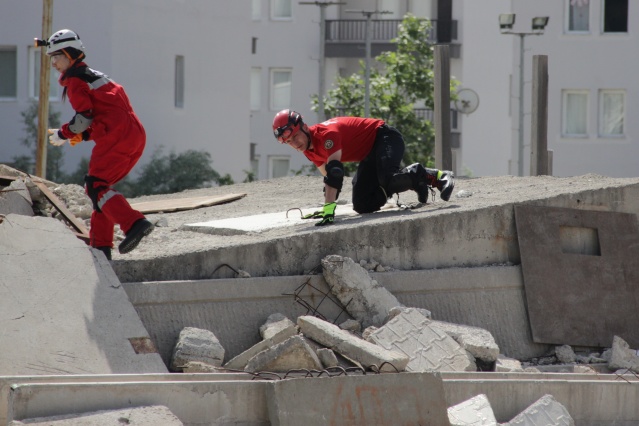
<point x="93" y="190"/>
<point x="334" y="174"/>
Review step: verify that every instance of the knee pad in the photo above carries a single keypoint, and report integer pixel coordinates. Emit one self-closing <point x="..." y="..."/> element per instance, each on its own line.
<point x="334" y="174"/>
<point x="93" y="187"/>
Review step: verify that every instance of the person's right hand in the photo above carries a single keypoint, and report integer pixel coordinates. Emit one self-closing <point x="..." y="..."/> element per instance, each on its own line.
<point x="55" y="139"/>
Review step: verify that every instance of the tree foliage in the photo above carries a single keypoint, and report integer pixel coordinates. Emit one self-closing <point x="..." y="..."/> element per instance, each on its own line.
<point x="166" y="174"/>
<point x="403" y="79"/>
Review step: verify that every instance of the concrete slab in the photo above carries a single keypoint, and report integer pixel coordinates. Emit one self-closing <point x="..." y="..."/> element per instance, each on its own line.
<point x="580" y="274"/>
<point x="194" y="403"/>
<point x="64" y="310"/>
<point x="468" y="296"/>
<point x="373" y="399"/>
<point x="137" y="416"/>
<point x="263" y="222"/>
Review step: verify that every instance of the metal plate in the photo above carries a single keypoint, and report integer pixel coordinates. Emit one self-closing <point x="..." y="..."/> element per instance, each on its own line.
<point x="580" y="298"/>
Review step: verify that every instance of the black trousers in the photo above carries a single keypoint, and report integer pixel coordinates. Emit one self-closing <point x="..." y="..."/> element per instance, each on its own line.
<point x="375" y="171"/>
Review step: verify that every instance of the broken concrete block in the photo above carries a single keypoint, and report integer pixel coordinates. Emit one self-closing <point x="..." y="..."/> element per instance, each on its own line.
<point x="19" y="187"/>
<point x="196" y="344"/>
<point x="472" y="412"/>
<point x="565" y="354"/>
<point x="199" y="367"/>
<point x="622" y="356"/>
<point x="292" y="354"/>
<point x="352" y="347"/>
<point x="428" y="348"/>
<point x="506" y="365"/>
<point x="398" y="309"/>
<point x="240" y="361"/>
<point x="11" y="202"/>
<point x="351" y="325"/>
<point x="274" y="324"/>
<point x="366" y="300"/>
<point x="327" y="357"/>
<point x="151" y="415"/>
<point x="545" y="411"/>
<point x="477" y="341"/>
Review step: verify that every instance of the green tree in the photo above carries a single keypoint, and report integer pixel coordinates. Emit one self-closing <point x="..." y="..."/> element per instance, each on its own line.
<point x="55" y="155"/>
<point x="405" y="78"/>
<point x="174" y="173"/>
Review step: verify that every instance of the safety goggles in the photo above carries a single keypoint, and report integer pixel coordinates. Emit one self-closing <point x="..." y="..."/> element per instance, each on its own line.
<point x="283" y="133"/>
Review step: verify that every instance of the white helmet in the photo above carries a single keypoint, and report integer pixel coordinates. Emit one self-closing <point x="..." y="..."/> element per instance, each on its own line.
<point x="63" y="39"/>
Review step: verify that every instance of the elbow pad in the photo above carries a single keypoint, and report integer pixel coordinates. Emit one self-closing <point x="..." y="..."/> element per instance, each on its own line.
<point x="334" y="174"/>
<point x="80" y="122"/>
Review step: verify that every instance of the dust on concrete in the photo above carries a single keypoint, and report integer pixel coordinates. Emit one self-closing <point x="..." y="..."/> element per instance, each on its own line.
<point x="282" y="194"/>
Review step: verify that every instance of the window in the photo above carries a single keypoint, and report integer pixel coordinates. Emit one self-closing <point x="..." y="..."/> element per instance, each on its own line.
<point x="611" y="112"/>
<point x="256" y="88"/>
<point x="179" y="81"/>
<point x="34" y="77"/>
<point x="281" y="9"/>
<point x="8" y="72"/>
<point x="575" y="113"/>
<point x="278" y="166"/>
<point x="280" y="89"/>
<point x="615" y="16"/>
<point x="256" y="10"/>
<point x="578" y="15"/>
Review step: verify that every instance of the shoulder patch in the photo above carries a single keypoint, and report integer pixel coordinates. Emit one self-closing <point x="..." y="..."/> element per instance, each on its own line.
<point x="328" y="144"/>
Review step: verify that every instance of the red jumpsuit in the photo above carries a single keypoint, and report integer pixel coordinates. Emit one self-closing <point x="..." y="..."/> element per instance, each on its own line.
<point x="119" y="142"/>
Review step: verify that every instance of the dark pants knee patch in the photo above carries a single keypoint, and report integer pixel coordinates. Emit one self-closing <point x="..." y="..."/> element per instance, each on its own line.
<point x="93" y="187"/>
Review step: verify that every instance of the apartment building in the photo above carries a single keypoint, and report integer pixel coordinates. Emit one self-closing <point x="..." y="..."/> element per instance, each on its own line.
<point x="211" y="75"/>
<point x="184" y="64"/>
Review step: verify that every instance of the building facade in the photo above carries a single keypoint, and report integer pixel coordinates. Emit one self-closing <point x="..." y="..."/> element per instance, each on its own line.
<point x="211" y="75"/>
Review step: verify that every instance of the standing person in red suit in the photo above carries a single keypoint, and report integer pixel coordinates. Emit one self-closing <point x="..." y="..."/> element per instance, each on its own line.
<point x="379" y="149"/>
<point x="103" y="114"/>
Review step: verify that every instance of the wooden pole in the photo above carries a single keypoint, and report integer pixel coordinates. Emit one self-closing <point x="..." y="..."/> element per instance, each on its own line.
<point x="43" y="96"/>
<point x="539" y="126"/>
<point x="443" y="152"/>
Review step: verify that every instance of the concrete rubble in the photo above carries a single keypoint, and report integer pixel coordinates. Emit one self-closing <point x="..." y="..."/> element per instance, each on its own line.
<point x="383" y="336"/>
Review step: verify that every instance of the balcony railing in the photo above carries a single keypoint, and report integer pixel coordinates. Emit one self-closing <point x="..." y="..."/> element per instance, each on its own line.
<point x="382" y="30"/>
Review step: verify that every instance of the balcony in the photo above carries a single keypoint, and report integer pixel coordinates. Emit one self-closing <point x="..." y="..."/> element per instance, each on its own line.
<point x="346" y="38"/>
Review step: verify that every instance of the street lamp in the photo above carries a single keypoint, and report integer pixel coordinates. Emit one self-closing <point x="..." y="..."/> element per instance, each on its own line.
<point x="367" y="76"/>
<point x="506" y="22"/>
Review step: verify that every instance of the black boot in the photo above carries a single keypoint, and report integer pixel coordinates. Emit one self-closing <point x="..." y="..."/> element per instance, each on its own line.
<point x="424" y="179"/>
<point x="139" y="230"/>
<point x="106" y="250"/>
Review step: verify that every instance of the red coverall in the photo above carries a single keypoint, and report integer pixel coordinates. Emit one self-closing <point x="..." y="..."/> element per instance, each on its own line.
<point x="119" y="142"/>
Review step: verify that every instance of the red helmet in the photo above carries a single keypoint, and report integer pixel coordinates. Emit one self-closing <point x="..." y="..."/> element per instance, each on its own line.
<point x="286" y="124"/>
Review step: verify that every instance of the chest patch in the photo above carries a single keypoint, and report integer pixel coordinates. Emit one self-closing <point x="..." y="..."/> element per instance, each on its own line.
<point x="328" y="144"/>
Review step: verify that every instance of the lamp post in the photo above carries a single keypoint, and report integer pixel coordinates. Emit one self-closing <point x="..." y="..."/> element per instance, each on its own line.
<point x="322" y="57"/>
<point x="367" y="77"/>
<point x="506" y="22"/>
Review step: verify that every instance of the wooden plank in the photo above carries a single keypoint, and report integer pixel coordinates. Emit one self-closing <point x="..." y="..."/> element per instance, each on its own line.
<point x="183" y="203"/>
<point x="70" y="217"/>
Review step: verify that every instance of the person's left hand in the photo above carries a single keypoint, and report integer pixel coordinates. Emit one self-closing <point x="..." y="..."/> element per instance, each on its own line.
<point x="55" y="139"/>
<point x="328" y="214"/>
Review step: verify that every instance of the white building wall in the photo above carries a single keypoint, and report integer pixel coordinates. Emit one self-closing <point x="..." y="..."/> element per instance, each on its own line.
<point x="591" y="62"/>
<point x="135" y="43"/>
<point x="294" y="44"/>
<point x="485" y="67"/>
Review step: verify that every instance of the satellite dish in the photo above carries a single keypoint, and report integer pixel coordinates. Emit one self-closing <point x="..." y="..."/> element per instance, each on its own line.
<point x="467" y="101"/>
